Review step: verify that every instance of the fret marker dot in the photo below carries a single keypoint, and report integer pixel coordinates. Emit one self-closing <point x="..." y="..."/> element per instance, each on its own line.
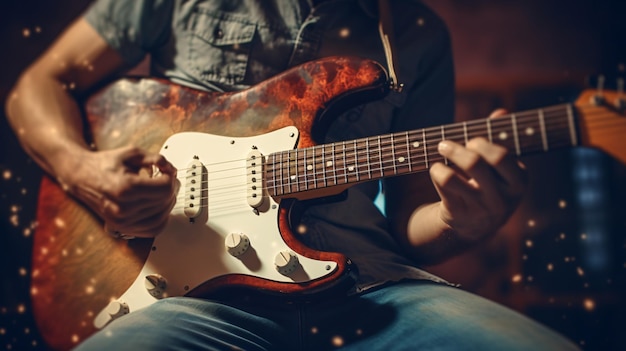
<point x="351" y="168"/>
<point x="416" y="144"/>
<point x="502" y="135"/>
<point x="293" y="177"/>
<point x="329" y="163"/>
<point x="401" y="159"/>
<point x="309" y="167"/>
<point x="530" y="131"/>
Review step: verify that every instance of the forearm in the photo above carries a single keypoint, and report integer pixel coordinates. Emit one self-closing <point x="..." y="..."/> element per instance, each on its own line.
<point x="46" y="119"/>
<point x="42" y="109"/>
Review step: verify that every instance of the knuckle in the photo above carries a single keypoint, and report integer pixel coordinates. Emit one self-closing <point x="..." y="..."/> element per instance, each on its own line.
<point x="499" y="153"/>
<point x="441" y="174"/>
<point x="122" y="191"/>
<point x="133" y="149"/>
<point x="477" y="143"/>
<point x="472" y="160"/>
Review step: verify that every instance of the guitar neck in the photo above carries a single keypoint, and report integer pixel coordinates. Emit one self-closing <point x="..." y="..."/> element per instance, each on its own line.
<point x="354" y="161"/>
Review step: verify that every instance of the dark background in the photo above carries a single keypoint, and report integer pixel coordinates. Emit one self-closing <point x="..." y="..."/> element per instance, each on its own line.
<point x="561" y="259"/>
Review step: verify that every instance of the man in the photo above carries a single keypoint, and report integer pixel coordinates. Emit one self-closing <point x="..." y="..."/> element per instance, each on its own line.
<point x="224" y="46"/>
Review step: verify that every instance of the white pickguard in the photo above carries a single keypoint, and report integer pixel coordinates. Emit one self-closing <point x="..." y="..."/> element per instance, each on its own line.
<point x="188" y="253"/>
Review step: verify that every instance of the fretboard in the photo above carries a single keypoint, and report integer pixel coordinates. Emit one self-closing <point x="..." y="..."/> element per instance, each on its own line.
<point x="370" y="158"/>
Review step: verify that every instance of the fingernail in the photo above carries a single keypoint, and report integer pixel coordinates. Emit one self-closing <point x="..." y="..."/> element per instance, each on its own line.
<point x="443" y="146"/>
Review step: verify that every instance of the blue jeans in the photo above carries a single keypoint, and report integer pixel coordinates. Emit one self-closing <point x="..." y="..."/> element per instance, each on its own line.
<point x="412" y="315"/>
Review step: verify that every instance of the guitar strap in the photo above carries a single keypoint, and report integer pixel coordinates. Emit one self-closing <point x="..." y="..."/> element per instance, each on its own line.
<point x="385" y="30"/>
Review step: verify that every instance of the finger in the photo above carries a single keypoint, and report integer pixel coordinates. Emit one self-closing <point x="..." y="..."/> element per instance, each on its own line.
<point x="131" y="187"/>
<point x="152" y="220"/>
<point x="147" y="221"/>
<point x="153" y="187"/>
<point x="467" y="160"/>
<point x="502" y="162"/>
<point x="498" y="113"/>
<point x="454" y="191"/>
<point x="139" y="207"/>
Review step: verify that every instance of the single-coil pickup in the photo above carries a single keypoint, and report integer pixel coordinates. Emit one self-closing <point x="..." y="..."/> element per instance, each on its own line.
<point x="193" y="188"/>
<point x="255" y="181"/>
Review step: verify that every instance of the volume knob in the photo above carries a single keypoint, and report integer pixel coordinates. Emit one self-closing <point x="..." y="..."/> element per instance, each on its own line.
<point x="286" y="262"/>
<point x="115" y="309"/>
<point x="237" y="244"/>
<point x="155" y="284"/>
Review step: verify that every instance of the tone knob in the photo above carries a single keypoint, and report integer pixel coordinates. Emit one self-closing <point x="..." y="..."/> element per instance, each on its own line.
<point x="114" y="310"/>
<point x="286" y="262"/>
<point x="237" y="244"/>
<point x="155" y="284"/>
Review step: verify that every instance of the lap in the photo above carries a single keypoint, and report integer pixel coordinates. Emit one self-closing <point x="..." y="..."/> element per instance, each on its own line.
<point x="404" y="316"/>
<point x="430" y="316"/>
<point x="188" y="324"/>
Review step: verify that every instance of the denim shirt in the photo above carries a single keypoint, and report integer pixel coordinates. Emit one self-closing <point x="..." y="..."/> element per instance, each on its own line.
<point x="233" y="44"/>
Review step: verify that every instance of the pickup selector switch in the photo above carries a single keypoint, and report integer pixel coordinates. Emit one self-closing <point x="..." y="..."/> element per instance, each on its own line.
<point x="237" y="244"/>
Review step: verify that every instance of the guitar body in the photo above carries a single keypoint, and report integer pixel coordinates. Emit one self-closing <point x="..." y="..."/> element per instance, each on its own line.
<point x="78" y="269"/>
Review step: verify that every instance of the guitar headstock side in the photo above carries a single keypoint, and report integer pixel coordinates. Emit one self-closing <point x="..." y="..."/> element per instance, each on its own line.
<point x="602" y="122"/>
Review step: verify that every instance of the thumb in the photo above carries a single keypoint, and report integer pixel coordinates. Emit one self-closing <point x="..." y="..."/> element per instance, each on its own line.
<point x="136" y="158"/>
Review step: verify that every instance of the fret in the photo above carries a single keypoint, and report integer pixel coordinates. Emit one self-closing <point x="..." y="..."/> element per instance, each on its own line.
<point x="515" y="134"/>
<point x="314" y="168"/>
<point x="425" y="147"/>
<point x="443" y="137"/>
<point x="572" y="127"/>
<point x="280" y="177"/>
<point x="408" y="151"/>
<point x="367" y="157"/>
<point x="503" y="133"/>
<point x="356" y="160"/>
<point x="489" y="134"/>
<point x="529" y="131"/>
<point x="344" y="166"/>
<point x="474" y="129"/>
<point x="290" y="176"/>
<point x="400" y="155"/>
<point x="393" y="155"/>
<point x="333" y="163"/>
<point x="542" y="125"/>
<point x="558" y="126"/>
<point x="270" y="179"/>
<point x="380" y="157"/>
<point x="321" y="165"/>
<point x="297" y="179"/>
<point x="305" y="170"/>
<point x="465" y="132"/>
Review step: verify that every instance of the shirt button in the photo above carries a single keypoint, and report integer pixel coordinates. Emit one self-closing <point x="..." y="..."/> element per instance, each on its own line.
<point x="218" y="33"/>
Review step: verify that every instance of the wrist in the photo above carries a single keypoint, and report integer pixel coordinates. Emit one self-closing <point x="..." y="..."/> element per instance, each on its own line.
<point x="65" y="163"/>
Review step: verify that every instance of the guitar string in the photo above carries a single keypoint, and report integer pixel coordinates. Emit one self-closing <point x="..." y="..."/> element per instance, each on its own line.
<point x="301" y="182"/>
<point x="472" y="126"/>
<point x="384" y="155"/>
<point x="228" y="202"/>
<point x="331" y="177"/>
<point x="352" y="153"/>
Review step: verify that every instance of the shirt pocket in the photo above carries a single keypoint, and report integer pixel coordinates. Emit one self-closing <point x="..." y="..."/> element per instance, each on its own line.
<point x="220" y="46"/>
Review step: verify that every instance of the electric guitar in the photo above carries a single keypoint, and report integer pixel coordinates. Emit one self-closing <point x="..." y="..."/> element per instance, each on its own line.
<point x="244" y="159"/>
